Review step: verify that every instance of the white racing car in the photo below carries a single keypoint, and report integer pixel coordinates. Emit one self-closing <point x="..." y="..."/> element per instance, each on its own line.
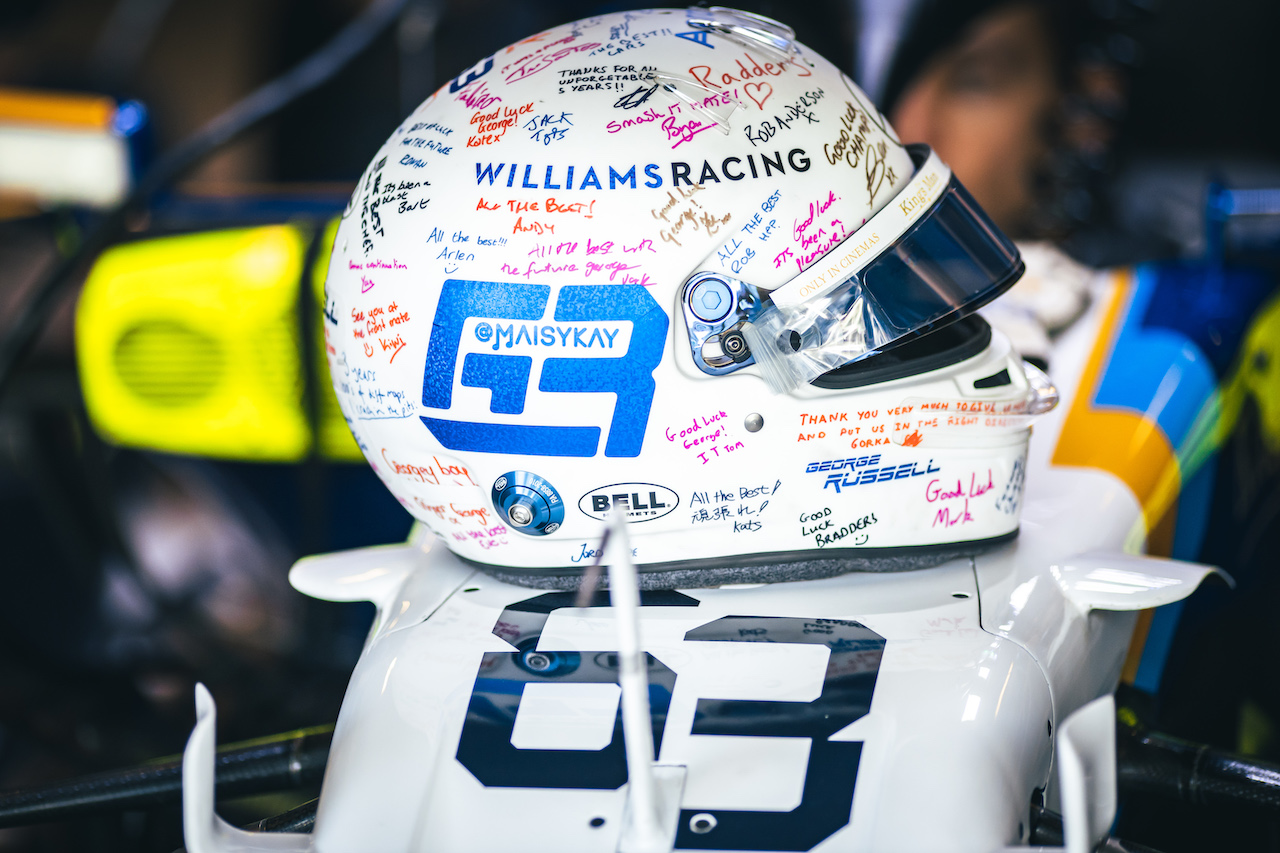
<point x="740" y="528"/>
<point x="672" y="270"/>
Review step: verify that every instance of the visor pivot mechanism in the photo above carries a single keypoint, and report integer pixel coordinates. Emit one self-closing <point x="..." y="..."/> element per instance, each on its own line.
<point x="734" y="345"/>
<point x="715" y="308"/>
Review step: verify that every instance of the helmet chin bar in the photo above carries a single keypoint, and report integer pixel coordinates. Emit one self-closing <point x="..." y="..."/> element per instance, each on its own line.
<point x="928" y="258"/>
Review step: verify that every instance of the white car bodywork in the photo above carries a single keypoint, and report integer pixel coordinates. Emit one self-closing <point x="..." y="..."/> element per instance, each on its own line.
<point x="979" y="664"/>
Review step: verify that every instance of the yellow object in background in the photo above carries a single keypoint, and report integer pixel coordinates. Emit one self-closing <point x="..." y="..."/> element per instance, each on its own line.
<point x="191" y="345"/>
<point x="334" y="439"/>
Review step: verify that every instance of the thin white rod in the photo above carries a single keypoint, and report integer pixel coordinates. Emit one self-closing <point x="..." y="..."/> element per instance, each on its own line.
<point x="637" y="726"/>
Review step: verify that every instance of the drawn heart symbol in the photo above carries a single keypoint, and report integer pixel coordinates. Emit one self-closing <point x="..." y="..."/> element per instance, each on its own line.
<point x="762" y="87"/>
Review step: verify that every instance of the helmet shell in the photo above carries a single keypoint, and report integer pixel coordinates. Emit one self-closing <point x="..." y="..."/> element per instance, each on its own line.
<point x="505" y="328"/>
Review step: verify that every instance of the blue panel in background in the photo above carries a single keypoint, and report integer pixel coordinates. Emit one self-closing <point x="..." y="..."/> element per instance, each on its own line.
<point x="1179" y="340"/>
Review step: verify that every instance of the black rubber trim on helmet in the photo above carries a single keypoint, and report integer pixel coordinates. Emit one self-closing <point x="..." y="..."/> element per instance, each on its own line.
<point x="776" y="567"/>
<point x="995" y="380"/>
<point x="949" y="345"/>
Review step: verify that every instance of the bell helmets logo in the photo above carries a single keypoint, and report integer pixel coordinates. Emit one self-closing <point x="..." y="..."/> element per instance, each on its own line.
<point x="598" y="339"/>
<point x="636" y="501"/>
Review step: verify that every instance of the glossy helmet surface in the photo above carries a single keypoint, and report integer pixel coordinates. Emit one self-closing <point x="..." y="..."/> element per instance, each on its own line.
<point x="672" y="264"/>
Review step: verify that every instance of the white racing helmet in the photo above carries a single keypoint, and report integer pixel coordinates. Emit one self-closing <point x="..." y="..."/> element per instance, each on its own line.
<point x="671" y="264"/>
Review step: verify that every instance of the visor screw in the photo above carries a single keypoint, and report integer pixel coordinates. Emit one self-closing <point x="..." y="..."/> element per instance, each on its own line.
<point x="711" y="300"/>
<point x="551" y="528"/>
<point x="500" y="483"/>
<point x="735" y="346"/>
<point x="753" y="422"/>
<point x="538" y="662"/>
<point x="520" y="515"/>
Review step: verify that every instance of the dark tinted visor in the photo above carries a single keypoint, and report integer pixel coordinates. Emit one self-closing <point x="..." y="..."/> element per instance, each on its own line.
<point x="946" y="261"/>
<point x="948" y="264"/>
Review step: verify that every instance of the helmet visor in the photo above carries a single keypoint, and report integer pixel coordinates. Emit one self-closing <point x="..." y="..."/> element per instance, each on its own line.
<point x="941" y="264"/>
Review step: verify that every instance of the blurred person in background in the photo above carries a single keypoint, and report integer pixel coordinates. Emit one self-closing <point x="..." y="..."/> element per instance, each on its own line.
<point x="986" y="84"/>
<point x="1017" y="97"/>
